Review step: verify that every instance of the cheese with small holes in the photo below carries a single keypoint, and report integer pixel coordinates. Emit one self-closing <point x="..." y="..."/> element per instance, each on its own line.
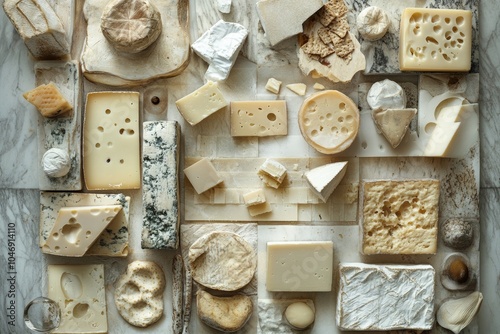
<point x="435" y="40"/>
<point x="77" y="228"/>
<point x="48" y="100"/>
<point x="399" y="217"/>
<point x="201" y="103"/>
<point x="202" y="175"/>
<point x="324" y="179"/>
<point x="299" y="266"/>
<point x="111" y="142"/>
<point x="385" y="297"/>
<point x="160" y="185"/>
<point x="259" y="118"/>
<point x="80" y="293"/>
<point x="272" y="173"/>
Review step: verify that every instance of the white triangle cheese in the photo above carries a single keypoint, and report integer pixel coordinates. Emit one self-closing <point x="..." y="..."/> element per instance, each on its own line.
<point x="298" y="88"/>
<point x="76" y="229"/>
<point x="394" y="123"/>
<point x="324" y="179"/>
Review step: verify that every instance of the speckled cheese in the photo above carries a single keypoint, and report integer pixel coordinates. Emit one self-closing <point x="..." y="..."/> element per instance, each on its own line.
<point x="385" y="297"/>
<point x="160" y="190"/>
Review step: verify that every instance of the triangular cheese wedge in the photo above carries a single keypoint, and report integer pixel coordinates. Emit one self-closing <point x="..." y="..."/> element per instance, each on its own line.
<point x="76" y="229"/>
<point x="324" y="179"/>
<point x="298" y="88"/>
<point x="393" y="123"/>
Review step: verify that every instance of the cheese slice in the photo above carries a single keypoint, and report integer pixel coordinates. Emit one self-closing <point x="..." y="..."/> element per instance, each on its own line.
<point x="394" y="123"/>
<point x="76" y="229"/>
<point x="324" y="179"/>
<point x="441" y="139"/>
<point x="273" y="85"/>
<point x="80" y="293"/>
<point x="202" y="175"/>
<point x="298" y="88"/>
<point x="259" y="118"/>
<point x="48" y="100"/>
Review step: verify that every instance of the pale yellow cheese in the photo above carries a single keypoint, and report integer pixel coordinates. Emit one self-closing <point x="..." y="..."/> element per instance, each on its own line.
<point x="441" y="139"/>
<point x="76" y="229"/>
<point x="298" y="88"/>
<point x="202" y="175"/>
<point x="111" y="141"/>
<point x="201" y="103"/>
<point x="259" y="209"/>
<point x="273" y="85"/>
<point x="259" y="118"/>
<point x="48" y="100"/>
<point x="254" y="197"/>
<point x="393" y="123"/>
<point x="272" y="173"/>
<point x="435" y="40"/>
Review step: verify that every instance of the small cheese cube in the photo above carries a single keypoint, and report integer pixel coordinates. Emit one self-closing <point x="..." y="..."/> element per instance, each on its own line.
<point x="259" y="118"/>
<point x="273" y="85"/>
<point x="298" y="88"/>
<point x="48" y="100"/>
<point x="201" y="103"/>
<point x="254" y="197"/>
<point x="272" y="173"/>
<point x="202" y="175"/>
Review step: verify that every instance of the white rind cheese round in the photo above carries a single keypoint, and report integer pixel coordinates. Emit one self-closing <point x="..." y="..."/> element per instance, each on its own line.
<point x="131" y="25"/>
<point x="372" y="23"/>
<point x="56" y="162"/>
<point x="299" y="315"/>
<point x="329" y="121"/>
<point x="222" y="261"/>
<point x="386" y="94"/>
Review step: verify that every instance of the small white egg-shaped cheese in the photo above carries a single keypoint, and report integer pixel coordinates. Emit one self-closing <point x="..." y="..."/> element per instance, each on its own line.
<point x="299" y="315"/>
<point x="56" y="162"/>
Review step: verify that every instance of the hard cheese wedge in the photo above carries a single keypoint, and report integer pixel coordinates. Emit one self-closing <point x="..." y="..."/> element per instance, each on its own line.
<point x="394" y="123"/>
<point x="324" y="179"/>
<point x="77" y="228"/>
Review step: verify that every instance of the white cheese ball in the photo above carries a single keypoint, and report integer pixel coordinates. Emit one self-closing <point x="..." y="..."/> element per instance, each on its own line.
<point x="386" y="94"/>
<point x="372" y="23"/>
<point x="299" y="315"/>
<point x="56" y="162"/>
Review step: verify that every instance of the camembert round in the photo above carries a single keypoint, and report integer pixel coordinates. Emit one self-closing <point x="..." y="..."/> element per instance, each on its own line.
<point x="329" y="121"/>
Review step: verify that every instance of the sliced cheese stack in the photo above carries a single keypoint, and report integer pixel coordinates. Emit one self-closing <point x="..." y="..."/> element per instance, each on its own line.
<point x="48" y="100"/>
<point x="256" y="202"/>
<point x="272" y="173"/>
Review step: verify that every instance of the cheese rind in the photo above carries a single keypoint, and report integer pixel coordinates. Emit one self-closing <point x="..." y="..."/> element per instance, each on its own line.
<point x="202" y="175"/>
<point x="385" y="297"/>
<point x="259" y="118"/>
<point x="324" y="179"/>
<point x="299" y="266"/>
<point x="79" y="290"/>
<point x="393" y="123"/>
<point x="111" y="146"/>
<point x="160" y="190"/>
<point x="201" y="103"/>
<point x="77" y="228"/>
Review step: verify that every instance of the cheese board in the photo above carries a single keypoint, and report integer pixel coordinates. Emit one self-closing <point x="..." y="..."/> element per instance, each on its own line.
<point x="294" y="212"/>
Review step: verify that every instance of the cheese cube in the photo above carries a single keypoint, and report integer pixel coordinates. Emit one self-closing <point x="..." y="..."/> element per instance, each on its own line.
<point x="111" y="146"/>
<point x="272" y="173"/>
<point x="201" y="103"/>
<point x="259" y="118"/>
<point x="259" y="209"/>
<point x="254" y="197"/>
<point x="273" y="85"/>
<point x="48" y="100"/>
<point x="435" y="40"/>
<point x="385" y="297"/>
<point x="202" y="175"/>
<point x="77" y="228"/>
<point x="399" y="217"/>
<point x="299" y="266"/>
<point x="79" y="290"/>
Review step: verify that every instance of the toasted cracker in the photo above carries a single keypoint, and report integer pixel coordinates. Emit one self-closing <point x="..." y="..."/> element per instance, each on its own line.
<point x="342" y="46"/>
<point x="325" y="35"/>
<point x="340" y="26"/>
<point x="336" y="8"/>
<point x="315" y="46"/>
<point x="324" y="17"/>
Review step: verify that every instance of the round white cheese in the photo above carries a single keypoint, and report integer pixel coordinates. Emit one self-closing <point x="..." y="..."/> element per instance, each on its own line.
<point x="386" y="94"/>
<point x="131" y="25"/>
<point x="372" y="23"/>
<point x="56" y="162"/>
<point x="299" y="315"/>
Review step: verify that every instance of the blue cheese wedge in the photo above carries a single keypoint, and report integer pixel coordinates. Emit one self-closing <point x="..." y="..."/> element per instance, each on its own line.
<point x="160" y="178"/>
<point x="385" y="297"/>
<point x="113" y="241"/>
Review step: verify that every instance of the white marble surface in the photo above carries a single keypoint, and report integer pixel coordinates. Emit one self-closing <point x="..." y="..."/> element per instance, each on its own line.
<point x="19" y="204"/>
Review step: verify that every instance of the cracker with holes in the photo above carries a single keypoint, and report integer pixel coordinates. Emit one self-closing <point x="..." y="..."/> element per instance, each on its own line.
<point x="399" y="217"/>
<point x="329" y="121"/>
<point x="139" y="293"/>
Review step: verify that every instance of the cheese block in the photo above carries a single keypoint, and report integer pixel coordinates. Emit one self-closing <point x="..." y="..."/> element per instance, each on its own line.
<point x="329" y="121"/>
<point x="399" y="217"/>
<point x="394" y="123"/>
<point x="259" y="118"/>
<point x="160" y="179"/>
<point x="254" y="197"/>
<point x="111" y="145"/>
<point x="298" y="88"/>
<point x="48" y="100"/>
<point x="40" y="28"/>
<point x="435" y="40"/>
<point x="222" y="261"/>
<point x="272" y="173"/>
<point x="385" y="297"/>
<point x="441" y="139"/>
<point x="131" y="25"/>
<point x="80" y="293"/>
<point x="273" y="85"/>
<point x="259" y="209"/>
<point x="201" y="103"/>
<point x="299" y="266"/>
<point x="202" y="175"/>
<point x="77" y="228"/>
<point x="113" y="241"/>
<point x="324" y="179"/>
<point x="291" y="14"/>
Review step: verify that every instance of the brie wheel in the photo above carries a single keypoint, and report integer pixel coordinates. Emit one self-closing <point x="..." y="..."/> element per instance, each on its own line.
<point x="372" y="23"/>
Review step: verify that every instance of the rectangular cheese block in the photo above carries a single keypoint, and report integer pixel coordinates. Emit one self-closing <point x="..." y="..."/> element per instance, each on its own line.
<point x="111" y="146"/>
<point x="201" y="103"/>
<point x="80" y="292"/>
<point x="299" y="266"/>
<point x="259" y="209"/>
<point x="399" y="217"/>
<point x="160" y="179"/>
<point x="113" y="241"/>
<point x="435" y="40"/>
<point x="202" y="175"/>
<point x="259" y="118"/>
<point x="385" y="297"/>
<point x="76" y="229"/>
<point x="62" y="132"/>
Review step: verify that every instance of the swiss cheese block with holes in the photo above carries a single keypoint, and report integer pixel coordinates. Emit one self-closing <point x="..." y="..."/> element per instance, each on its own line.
<point x="329" y="121"/>
<point x="435" y="40"/>
<point x="399" y="217"/>
<point x="259" y="118"/>
<point x="111" y="145"/>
